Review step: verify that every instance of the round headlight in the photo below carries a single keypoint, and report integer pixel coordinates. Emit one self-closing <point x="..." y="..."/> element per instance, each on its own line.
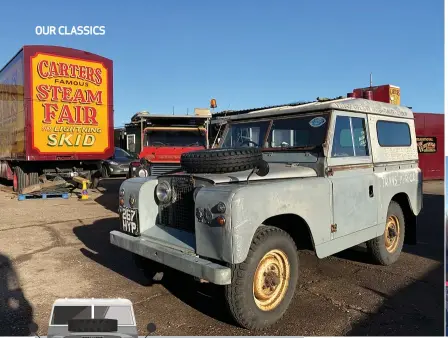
<point x="163" y="192"/>
<point x="142" y="173"/>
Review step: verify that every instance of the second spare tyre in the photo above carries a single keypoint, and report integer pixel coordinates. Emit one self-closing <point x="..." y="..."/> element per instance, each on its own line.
<point x="223" y="160"/>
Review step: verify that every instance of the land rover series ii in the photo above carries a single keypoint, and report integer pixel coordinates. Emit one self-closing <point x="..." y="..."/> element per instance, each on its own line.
<point x="331" y="174"/>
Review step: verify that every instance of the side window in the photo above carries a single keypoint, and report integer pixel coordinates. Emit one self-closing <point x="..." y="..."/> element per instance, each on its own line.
<point x="350" y="137"/>
<point x="393" y="134"/>
<point x="360" y="137"/>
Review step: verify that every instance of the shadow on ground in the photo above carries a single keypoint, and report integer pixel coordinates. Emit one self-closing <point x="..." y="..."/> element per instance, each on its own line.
<point x="203" y="297"/>
<point x="405" y="312"/>
<point x="109" y="193"/>
<point x="430" y="234"/>
<point x="16" y="313"/>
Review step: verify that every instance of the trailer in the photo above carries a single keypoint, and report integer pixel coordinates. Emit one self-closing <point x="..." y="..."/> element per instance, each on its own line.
<point x="56" y="114"/>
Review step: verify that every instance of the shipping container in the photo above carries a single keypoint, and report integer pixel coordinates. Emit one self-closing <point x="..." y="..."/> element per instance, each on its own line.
<point x="56" y="114"/>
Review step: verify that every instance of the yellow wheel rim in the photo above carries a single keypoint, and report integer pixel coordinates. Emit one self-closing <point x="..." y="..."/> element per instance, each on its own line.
<point x="271" y="280"/>
<point x="392" y="233"/>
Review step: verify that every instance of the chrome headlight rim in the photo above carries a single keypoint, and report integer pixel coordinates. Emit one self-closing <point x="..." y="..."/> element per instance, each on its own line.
<point x="163" y="192"/>
<point x="142" y="172"/>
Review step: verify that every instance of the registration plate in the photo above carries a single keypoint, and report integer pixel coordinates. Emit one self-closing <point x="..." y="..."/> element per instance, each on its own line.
<point x="129" y="221"/>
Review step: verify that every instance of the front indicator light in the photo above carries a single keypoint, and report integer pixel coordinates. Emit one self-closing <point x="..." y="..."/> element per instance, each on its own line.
<point x="121" y="201"/>
<point x="221" y="220"/>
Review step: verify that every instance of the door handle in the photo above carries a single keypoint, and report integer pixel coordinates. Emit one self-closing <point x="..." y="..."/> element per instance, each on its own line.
<point x="370" y="190"/>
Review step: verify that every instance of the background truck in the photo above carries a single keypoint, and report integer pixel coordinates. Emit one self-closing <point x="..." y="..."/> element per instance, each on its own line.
<point x="161" y="139"/>
<point x="56" y="114"/>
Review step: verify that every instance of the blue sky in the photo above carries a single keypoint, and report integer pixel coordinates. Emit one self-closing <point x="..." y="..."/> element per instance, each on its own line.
<point x="246" y="53"/>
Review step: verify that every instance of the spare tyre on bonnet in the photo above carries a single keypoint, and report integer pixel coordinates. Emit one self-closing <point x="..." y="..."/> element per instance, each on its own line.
<point x="212" y="161"/>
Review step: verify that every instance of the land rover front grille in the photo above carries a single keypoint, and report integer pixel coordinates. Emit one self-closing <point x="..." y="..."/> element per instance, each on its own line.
<point x="160" y="169"/>
<point x="179" y="213"/>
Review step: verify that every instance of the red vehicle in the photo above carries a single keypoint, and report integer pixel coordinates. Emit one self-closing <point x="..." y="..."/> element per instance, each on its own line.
<point x="165" y="138"/>
<point x="56" y="114"/>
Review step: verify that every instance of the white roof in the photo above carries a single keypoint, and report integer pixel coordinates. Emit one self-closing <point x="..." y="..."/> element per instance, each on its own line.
<point x="91" y="301"/>
<point x="347" y="104"/>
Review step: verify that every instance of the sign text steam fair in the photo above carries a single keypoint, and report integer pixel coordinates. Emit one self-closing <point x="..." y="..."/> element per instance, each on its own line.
<point x="70" y="30"/>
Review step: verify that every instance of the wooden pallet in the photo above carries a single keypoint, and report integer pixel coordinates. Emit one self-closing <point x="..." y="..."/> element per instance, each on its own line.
<point x="44" y="195"/>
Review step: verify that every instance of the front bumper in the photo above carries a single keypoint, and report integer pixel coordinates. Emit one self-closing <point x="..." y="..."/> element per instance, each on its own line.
<point x="178" y="260"/>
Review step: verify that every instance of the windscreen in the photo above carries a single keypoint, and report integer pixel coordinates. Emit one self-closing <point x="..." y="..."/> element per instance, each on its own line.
<point x="298" y="132"/>
<point x="249" y="134"/>
<point x="122" y="314"/>
<point x="122" y="154"/>
<point x="62" y="314"/>
<point x="284" y="133"/>
<point x="175" y="138"/>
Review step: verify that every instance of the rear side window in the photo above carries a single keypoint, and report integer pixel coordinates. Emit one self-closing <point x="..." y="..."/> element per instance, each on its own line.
<point x="393" y="134"/>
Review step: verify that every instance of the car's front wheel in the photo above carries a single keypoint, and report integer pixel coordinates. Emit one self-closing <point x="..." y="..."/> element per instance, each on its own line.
<point x="104" y="172"/>
<point x="386" y="249"/>
<point x="264" y="284"/>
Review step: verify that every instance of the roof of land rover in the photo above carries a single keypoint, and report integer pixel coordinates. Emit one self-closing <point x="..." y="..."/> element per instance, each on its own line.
<point x="91" y="301"/>
<point x="346" y="104"/>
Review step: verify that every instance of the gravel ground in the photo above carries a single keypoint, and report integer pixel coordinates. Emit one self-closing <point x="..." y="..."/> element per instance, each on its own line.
<point x="60" y="248"/>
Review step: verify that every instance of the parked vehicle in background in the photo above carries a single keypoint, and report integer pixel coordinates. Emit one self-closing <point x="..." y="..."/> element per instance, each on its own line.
<point x="118" y="164"/>
<point x="165" y="138"/>
<point x="321" y="175"/>
<point x="56" y="115"/>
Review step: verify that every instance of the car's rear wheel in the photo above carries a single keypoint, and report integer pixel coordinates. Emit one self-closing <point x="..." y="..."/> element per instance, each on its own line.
<point x="386" y="249"/>
<point x="264" y="284"/>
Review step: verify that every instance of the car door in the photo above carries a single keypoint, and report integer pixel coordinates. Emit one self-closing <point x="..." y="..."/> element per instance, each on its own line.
<point x="350" y="170"/>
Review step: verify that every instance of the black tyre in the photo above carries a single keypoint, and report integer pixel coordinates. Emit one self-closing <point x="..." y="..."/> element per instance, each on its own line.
<point x="152" y="271"/>
<point x="220" y="160"/>
<point x="386" y="249"/>
<point x="104" y="171"/>
<point x="95" y="182"/>
<point x="264" y="284"/>
<point x="19" y="180"/>
<point x="94" y="178"/>
<point x="92" y="325"/>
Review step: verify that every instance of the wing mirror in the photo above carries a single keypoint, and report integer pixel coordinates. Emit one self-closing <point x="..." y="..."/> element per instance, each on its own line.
<point x="151" y="328"/>
<point x="262" y="168"/>
<point x="34" y="328"/>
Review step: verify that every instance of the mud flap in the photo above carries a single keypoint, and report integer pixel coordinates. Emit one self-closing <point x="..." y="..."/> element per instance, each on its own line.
<point x="411" y="230"/>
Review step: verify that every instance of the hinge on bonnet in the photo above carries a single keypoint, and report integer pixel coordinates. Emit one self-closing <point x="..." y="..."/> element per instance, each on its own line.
<point x="334" y="228"/>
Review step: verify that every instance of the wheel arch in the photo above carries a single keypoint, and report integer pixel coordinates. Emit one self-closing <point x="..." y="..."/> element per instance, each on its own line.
<point x="295" y="226"/>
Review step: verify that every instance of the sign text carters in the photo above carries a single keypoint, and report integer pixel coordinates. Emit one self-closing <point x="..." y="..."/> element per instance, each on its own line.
<point x="70" y="110"/>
